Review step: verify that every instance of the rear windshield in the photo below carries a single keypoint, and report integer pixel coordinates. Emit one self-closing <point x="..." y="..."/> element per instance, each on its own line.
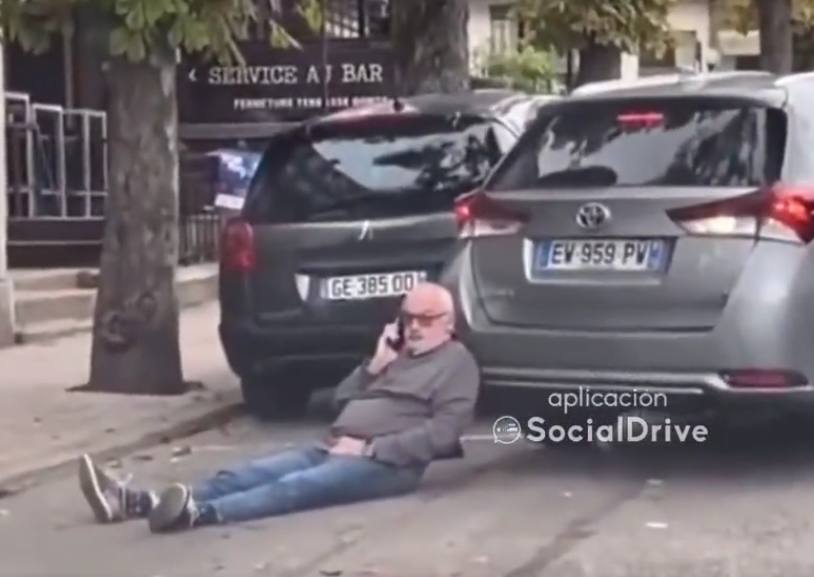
<point x="672" y="143"/>
<point x="373" y="169"/>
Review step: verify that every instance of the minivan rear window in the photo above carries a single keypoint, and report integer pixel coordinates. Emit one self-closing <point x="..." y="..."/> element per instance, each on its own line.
<point x="644" y="143"/>
<point x="375" y="168"/>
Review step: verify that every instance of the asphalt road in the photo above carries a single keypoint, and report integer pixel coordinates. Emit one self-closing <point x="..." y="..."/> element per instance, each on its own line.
<point x="517" y="510"/>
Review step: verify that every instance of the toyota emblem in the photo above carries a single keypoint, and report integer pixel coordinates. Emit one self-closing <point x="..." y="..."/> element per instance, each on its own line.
<point x="593" y="215"/>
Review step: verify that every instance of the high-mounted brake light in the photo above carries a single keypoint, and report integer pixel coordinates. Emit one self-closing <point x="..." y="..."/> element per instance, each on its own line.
<point x="237" y="247"/>
<point x="781" y="213"/>
<point x="478" y="215"/>
<point x="640" y="119"/>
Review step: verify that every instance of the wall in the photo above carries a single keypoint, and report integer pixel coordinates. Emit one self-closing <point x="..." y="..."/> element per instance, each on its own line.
<point x="478" y="31"/>
<point x="692" y="15"/>
<point x="732" y="45"/>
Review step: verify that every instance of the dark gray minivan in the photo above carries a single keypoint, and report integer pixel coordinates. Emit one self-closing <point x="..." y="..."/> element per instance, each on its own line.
<point x="344" y="215"/>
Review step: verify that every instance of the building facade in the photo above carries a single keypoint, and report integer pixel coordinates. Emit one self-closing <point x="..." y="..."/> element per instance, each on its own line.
<point x="493" y="28"/>
<point x="57" y="125"/>
<point x="704" y="40"/>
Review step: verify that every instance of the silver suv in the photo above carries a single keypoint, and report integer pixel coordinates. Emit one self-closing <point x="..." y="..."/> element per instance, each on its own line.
<point x="650" y="236"/>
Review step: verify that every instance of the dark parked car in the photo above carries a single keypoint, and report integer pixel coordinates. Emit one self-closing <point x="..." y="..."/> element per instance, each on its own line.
<point x="655" y="236"/>
<point x="344" y="215"/>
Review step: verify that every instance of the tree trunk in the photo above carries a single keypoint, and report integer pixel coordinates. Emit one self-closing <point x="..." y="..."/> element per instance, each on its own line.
<point x="431" y="45"/>
<point x="135" y="334"/>
<point x="776" y="53"/>
<point x="599" y="62"/>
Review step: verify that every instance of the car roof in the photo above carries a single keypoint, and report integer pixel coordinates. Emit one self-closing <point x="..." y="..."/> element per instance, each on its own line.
<point x="758" y="86"/>
<point x="486" y="102"/>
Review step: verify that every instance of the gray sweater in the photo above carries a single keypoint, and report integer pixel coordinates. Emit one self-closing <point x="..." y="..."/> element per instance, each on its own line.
<point x="416" y="409"/>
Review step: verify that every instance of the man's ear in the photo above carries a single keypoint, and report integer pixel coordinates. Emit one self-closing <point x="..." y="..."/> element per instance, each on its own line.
<point x="451" y="327"/>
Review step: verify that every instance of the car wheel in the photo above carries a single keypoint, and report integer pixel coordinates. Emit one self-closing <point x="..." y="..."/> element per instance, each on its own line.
<point x="268" y="398"/>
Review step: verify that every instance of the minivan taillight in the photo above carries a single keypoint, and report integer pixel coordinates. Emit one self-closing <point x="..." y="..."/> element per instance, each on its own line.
<point x="478" y="215"/>
<point x="237" y="247"/>
<point x="782" y="213"/>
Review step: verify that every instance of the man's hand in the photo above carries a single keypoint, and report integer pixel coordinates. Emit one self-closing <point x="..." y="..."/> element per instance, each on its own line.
<point x="384" y="354"/>
<point x="348" y="446"/>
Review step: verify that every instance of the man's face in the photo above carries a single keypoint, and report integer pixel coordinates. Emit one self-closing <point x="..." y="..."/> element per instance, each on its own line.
<point x="425" y="327"/>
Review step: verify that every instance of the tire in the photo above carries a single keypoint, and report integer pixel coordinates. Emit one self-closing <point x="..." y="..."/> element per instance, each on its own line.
<point x="269" y="398"/>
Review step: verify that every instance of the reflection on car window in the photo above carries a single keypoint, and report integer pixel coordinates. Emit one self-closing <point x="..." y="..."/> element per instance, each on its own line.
<point x="375" y="169"/>
<point x="678" y="144"/>
<point x="504" y="138"/>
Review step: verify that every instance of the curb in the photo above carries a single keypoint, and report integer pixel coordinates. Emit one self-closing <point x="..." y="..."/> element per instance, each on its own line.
<point x="20" y="481"/>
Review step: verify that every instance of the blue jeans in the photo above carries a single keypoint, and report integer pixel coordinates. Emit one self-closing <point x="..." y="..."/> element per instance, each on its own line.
<point x="300" y="479"/>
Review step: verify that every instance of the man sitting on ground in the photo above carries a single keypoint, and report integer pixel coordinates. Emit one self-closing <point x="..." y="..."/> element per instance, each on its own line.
<point x="401" y="410"/>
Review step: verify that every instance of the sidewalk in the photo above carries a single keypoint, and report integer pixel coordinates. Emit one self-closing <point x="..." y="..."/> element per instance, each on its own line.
<point x="42" y="425"/>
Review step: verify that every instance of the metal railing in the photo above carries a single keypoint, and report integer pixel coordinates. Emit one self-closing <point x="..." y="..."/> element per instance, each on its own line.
<point x="57" y="160"/>
<point x="57" y="166"/>
<point x="199" y="223"/>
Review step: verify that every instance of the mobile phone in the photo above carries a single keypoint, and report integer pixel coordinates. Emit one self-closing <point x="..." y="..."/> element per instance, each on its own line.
<point x="397" y="343"/>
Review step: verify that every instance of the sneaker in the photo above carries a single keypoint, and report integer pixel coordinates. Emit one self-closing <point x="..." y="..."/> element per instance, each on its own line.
<point x="176" y="510"/>
<point x="109" y="497"/>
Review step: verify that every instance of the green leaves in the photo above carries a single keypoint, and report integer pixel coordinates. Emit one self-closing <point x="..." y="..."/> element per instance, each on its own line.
<point x="572" y="24"/>
<point x="140" y="29"/>
<point x="279" y="36"/>
<point x="311" y="11"/>
<point x="742" y="15"/>
<point x="804" y="12"/>
<point x="32" y="23"/>
<point x="529" y="70"/>
<point x="190" y="33"/>
<point x="125" y="42"/>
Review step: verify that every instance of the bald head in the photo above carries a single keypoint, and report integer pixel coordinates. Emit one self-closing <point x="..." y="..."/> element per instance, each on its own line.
<point x="429" y="315"/>
<point x="429" y="298"/>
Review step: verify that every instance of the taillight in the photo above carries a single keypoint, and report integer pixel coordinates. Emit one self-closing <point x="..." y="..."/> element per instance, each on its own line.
<point x="478" y="215"/>
<point x="791" y="212"/>
<point x="237" y="247"/>
<point x="763" y="379"/>
<point x="781" y="213"/>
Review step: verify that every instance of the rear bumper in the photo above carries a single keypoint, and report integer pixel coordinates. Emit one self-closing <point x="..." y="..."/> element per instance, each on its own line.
<point x="254" y="350"/>
<point x="645" y="389"/>
<point x="757" y="330"/>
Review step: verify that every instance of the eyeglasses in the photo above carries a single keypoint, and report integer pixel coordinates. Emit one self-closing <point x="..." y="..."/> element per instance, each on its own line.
<point x="424" y="320"/>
